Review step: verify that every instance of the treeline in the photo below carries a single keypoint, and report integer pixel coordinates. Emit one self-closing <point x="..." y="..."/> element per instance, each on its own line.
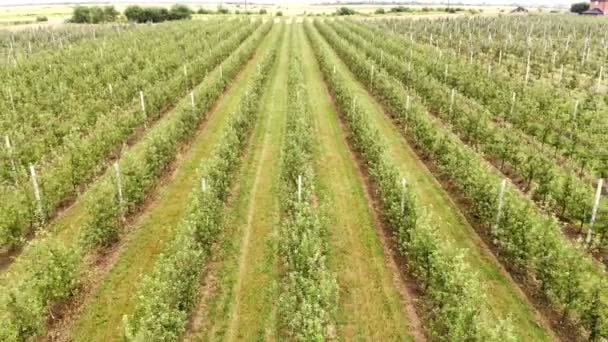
<point x="134" y="13"/>
<point x="157" y="14"/>
<point x="94" y="14"/>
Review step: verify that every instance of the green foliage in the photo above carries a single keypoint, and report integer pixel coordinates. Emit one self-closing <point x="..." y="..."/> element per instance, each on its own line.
<point x="528" y="239"/>
<point x="167" y="295"/>
<point x="400" y="9"/>
<point x="550" y="183"/>
<point x="104" y="226"/>
<point x="204" y="11"/>
<point x="579" y="7"/>
<point x="101" y="219"/>
<point x="279" y="14"/>
<point x="77" y="158"/>
<point x="42" y="18"/>
<point x="453" y="293"/>
<point x="345" y="11"/>
<point x="222" y="10"/>
<point x="94" y="14"/>
<point x="139" y="14"/>
<point x="51" y="275"/>
<point x="309" y="289"/>
<point x="263" y="11"/>
<point x="380" y="11"/>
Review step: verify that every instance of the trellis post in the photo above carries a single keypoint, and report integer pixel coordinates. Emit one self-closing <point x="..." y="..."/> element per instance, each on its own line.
<point x="501" y="194"/>
<point x="37" y="195"/>
<point x="299" y="188"/>
<point x="403" y="188"/>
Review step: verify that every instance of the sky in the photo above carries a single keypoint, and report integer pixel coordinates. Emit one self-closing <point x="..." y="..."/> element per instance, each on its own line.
<point x="473" y="2"/>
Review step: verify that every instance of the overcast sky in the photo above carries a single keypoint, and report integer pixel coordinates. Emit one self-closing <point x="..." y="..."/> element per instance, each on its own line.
<point x="476" y="2"/>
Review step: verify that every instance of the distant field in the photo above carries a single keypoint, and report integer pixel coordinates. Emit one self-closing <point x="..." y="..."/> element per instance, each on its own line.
<point x="58" y="13"/>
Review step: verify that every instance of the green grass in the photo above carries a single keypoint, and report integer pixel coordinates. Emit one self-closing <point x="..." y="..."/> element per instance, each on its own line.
<point x="116" y="295"/>
<point x="503" y="297"/>
<point x="244" y="306"/>
<point x="370" y="307"/>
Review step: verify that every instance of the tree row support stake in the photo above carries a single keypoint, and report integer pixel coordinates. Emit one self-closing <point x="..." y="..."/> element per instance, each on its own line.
<point x="299" y="188"/>
<point x="36" y="189"/>
<point x="528" y="68"/>
<point x="143" y="108"/>
<point x="512" y="104"/>
<point x="192" y="100"/>
<point x="203" y="184"/>
<point x="452" y="94"/>
<point x="501" y="194"/>
<point x="599" y="79"/>
<point x="596" y="204"/>
<point x="403" y="188"/>
<point x="371" y="76"/>
<point x="121" y="200"/>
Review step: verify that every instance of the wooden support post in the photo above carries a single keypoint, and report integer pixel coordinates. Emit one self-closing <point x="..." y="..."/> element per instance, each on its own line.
<point x="299" y="188"/>
<point x="37" y="195"/>
<point x="371" y="76"/>
<point x="599" y="79"/>
<point x="203" y="184"/>
<point x="512" y="104"/>
<point x="452" y="95"/>
<point x="121" y="200"/>
<point x="142" y="102"/>
<point x="501" y="194"/>
<point x="596" y="202"/>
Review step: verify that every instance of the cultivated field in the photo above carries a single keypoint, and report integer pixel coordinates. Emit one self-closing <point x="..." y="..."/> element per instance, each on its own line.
<point x="309" y="179"/>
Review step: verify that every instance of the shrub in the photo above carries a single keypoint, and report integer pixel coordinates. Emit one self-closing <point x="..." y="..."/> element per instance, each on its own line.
<point x="579" y="7"/>
<point x="222" y="10"/>
<point x="279" y="14"/>
<point x="157" y="14"/>
<point x="380" y="11"/>
<point x="204" y="11"/>
<point x="180" y="12"/>
<point x="92" y="15"/>
<point x="345" y="11"/>
<point x="42" y="18"/>
<point x="400" y="9"/>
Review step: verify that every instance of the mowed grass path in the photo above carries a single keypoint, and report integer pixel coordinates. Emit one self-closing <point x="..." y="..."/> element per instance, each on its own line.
<point x="244" y="304"/>
<point x="503" y="296"/>
<point x="116" y="296"/>
<point x="370" y="306"/>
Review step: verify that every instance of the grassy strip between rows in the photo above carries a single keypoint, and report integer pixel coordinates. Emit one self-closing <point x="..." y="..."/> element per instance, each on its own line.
<point x="48" y="271"/>
<point x="529" y="240"/>
<point x="309" y="293"/>
<point x="456" y="308"/>
<point x="371" y="296"/>
<point x="167" y="295"/>
<point x="551" y="185"/>
<point x="77" y="163"/>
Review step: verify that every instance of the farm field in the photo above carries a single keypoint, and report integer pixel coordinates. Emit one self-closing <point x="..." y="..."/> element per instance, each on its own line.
<point x="306" y="179"/>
